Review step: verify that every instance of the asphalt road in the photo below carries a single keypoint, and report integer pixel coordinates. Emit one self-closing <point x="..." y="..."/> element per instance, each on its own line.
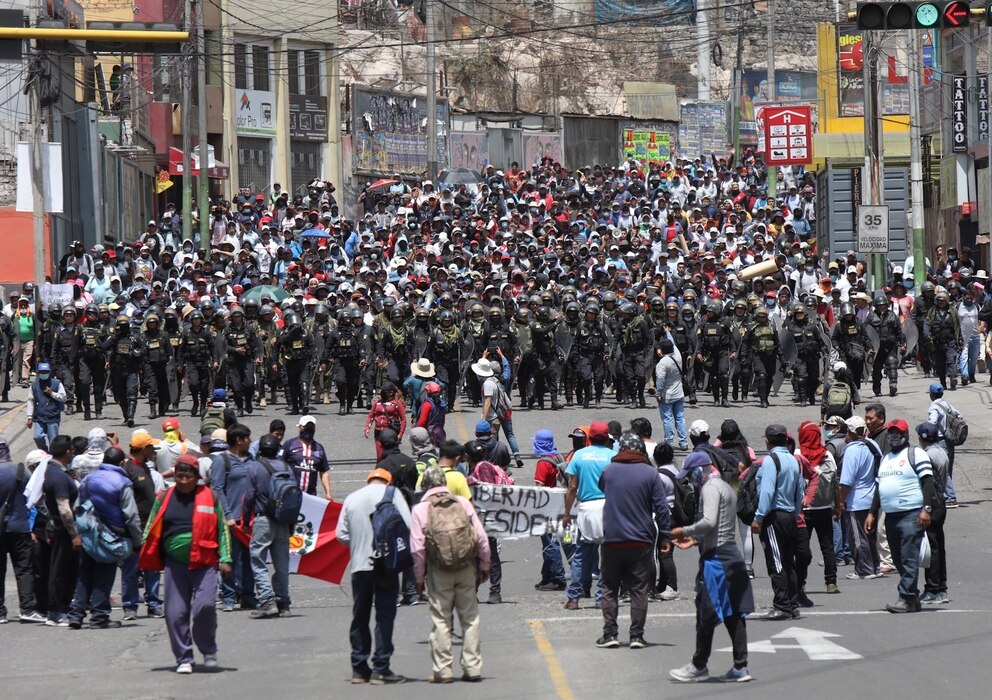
<point x="532" y="648"/>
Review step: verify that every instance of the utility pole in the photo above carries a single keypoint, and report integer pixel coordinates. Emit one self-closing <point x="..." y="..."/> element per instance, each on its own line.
<point x="738" y="83"/>
<point x="772" y="173"/>
<point x="916" y="163"/>
<point x="431" y="97"/>
<point x="37" y="171"/>
<point x="186" y="77"/>
<point x="874" y="166"/>
<point x="203" y="196"/>
<point x="703" y="50"/>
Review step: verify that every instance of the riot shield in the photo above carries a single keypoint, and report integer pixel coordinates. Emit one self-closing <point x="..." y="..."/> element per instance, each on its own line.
<point x="172" y="375"/>
<point x="912" y="334"/>
<point x="524" y="340"/>
<point x="788" y="344"/>
<point x="467" y="352"/>
<point x="564" y="339"/>
<point x="873" y="340"/>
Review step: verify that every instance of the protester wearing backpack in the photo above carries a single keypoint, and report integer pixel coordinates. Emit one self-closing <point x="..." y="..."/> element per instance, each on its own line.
<point x="482" y="471"/>
<point x="840" y="394"/>
<point x="953" y="432"/>
<point x="276" y="500"/>
<point x="374" y="582"/>
<point x="218" y="415"/>
<point x="549" y="472"/>
<point x="451" y="557"/>
<point x="821" y="500"/>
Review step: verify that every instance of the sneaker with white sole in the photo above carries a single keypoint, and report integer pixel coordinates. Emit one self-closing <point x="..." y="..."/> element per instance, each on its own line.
<point x="736" y="675"/>
<point x="608" y="641"/>
<point x="185" y="668"/>
<point x="669" y="594"/>
<point x="32" y="616"/>
<point x="689" y="674"/>
<point x="210" y="661"/>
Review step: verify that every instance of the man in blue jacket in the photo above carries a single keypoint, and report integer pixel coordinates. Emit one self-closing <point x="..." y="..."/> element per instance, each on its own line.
<point x="269" y="539"/>
<point x="780" y="500"/>
<point x="109" y="489"/>
<point x="16" y="539"/>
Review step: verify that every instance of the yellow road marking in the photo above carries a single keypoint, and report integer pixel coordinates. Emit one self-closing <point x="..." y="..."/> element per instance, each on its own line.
<point x="460" y="424"/>
<point x="11" y="415"/>
<point x="555" y="670"/>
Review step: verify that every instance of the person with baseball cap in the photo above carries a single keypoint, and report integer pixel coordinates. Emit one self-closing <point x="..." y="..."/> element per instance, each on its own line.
<point x="906" y="494"/>
<point x="308" y="458"/>
<point x="935" y="592"/>
<point x="370" y="584"/>
<point x="46" y="402"/>
<point x="583" y="471"/>
<point x="780" y="501"/>
<point x="835" y="440"/>
<point x="857" y="491"/>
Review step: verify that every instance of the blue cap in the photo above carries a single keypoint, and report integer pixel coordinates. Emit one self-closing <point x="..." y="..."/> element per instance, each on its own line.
<point x="693" y="460"/>
<point x="44" y="367"/>
<point x="937" y="388"/>
<point x="219" y="395"/>
<point x="483" y="428"/>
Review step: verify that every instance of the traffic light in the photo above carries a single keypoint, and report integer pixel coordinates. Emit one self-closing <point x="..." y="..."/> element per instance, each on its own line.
<point x="879" y="16"/>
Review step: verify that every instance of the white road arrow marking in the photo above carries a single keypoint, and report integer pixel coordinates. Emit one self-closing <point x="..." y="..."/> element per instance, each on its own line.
<point x="815" y="644"/>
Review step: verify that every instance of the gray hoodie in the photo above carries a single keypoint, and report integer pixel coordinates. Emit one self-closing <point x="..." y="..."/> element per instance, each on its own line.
<point x="91" y="460"/>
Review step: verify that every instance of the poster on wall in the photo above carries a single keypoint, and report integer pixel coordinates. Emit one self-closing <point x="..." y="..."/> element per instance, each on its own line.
<point x="703" y="130"/>
<point x="542" y="145"/>
<point x="790" y="86"/>
<point x="389" y="132"/>
<point x="254" y="113"/>
<point x="469" y="149"/>
<point x="649" y="146"/>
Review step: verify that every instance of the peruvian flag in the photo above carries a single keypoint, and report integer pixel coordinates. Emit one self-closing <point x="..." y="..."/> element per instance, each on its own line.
<point x="314" y="549"/>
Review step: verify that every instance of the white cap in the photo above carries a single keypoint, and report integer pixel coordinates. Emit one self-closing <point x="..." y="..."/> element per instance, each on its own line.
<point x="699" y="427"/>
<point x="306" y="420"/>
<point x="856" y="424"/>
<point x="897" y="270"/>
<point x="839" y="365"/>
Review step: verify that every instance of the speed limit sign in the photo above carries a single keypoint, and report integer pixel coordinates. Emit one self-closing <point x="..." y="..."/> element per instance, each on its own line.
<point x="873" y="229"/>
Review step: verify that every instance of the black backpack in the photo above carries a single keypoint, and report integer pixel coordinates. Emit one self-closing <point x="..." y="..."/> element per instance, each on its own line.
<point x="727" y="462"/>
<point x="747" y="494"/>
<point x="390" y="536"/>
<point x="285" y="496"/>
<point x="685" y="504"/>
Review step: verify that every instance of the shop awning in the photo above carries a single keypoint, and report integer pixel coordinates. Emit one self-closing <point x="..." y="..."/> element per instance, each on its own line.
<point x="215" y="169"/>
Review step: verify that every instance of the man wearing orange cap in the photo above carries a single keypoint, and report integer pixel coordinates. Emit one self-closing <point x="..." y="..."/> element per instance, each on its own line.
<point x="142" y="451"/>
<point x="370" y="584"/>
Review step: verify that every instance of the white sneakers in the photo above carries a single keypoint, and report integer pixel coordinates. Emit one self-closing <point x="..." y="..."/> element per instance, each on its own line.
<point x="669" y="594"/>
<point x="184" y="668"/>
<point x="690" y="674"/>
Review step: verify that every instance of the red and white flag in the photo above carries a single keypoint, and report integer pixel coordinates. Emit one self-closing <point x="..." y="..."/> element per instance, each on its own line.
<point x="314" y="549"/>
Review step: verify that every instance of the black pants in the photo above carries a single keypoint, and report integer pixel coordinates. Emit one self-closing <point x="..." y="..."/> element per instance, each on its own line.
<point x="370" y="588"/>
<point x="737" y="629"/>
<point x="495" y="568"/>
<point x="125" y="388"/>
<point x="936" y="574"/>
<point x="200" y="383"/>
<point x="780" y="538"/>
<point x="92" y="379"/>
<point x="41" y="559"/>
<point x="887" y="357"/>
<point x="804" y="557"/>
<point x="821" y="522"/>
<point x="298" y="384"/>
<point x="157" y="383"/>
<point x="763" y="367"/>
<point x="241" y="377"/>
<point x="633" y="568"/>
<point x="18" y="546"/>
<point x="667" y="574"/>
<point x="62" y="573"/>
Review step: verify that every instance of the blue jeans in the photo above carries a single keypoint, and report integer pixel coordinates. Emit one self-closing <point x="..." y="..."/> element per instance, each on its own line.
<point x="673" y="418"/>
<point x="129" y="586"/>
<point x="905" y="537"/>
<point x="270" y="540"/>
<point x="96" y="581"/>
<point x="950" y="495"/>
<point x="507" y="426"/>
<point x="368" y="589"/>
<point x="44" y="432"/>
<point x="969" y="357"/>
<point x="553" y="569"/>
<point x="242" y="583"/>
<point x="842" y="550"/>
<point x="585" y="559"/>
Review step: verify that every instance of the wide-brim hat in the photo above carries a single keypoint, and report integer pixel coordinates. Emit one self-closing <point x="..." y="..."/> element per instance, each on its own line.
<point x="422" y="368"/>
<point x="482" y="368"/>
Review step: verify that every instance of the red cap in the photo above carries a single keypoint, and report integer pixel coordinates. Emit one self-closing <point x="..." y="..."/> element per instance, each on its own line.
<point x="599" y="429"/>
<point x="188" y="460"/>
<point x="170" y="424"/>
<point x="899" y="425"/>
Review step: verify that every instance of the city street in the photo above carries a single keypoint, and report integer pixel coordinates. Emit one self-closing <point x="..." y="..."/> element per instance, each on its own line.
<point x="847" y="644"/>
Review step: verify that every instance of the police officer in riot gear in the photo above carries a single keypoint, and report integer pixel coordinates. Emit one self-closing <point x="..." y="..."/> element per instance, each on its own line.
<point x="197" y="354"/>
<point x="157" y="357"/>
<point x="713" y="351"/>
<point x="592" y="349"/>
<point x="761" y="344"/>
<point x="851" y="342"/>
<point x="294" y="347"/>
<point x="891" y="338"/>
<point x="127" y="353"/>
<point x="92" y="365"/>
<point x="244" y="355"/>
<point x="945" y="335"/>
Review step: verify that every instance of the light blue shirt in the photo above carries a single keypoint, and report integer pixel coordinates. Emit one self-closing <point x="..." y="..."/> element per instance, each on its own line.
<point x="858" y="473"/>
<point x="783" y="491"/>
<point x="588" y="464"/>
<point x="899" y="487"/>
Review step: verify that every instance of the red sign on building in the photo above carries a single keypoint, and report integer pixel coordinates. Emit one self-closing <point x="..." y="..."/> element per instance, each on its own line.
<point x="788" y="135"/>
